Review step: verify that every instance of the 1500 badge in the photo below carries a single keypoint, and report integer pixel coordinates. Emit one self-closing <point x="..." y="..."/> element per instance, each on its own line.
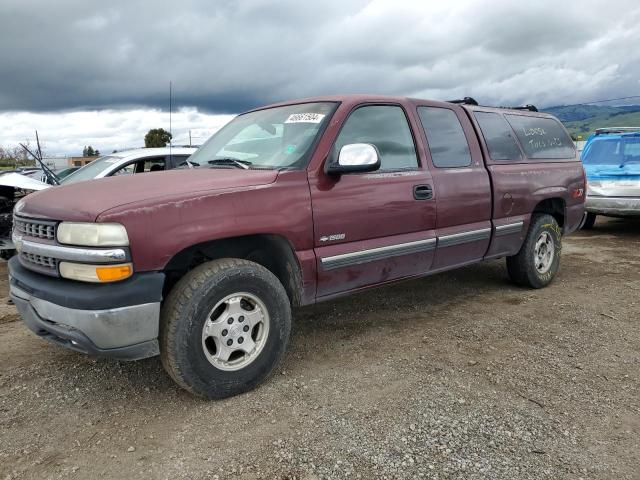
<point x="333" y="238"/>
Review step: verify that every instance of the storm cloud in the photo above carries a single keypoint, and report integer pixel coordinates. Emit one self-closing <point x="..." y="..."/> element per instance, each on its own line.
<point x="227" y="56"/>
<point x="87" y="72"/>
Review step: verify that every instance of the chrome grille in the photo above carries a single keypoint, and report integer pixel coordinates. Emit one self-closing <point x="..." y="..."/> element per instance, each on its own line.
<point x="39" y="260"/>
<point x="35" y="228"/>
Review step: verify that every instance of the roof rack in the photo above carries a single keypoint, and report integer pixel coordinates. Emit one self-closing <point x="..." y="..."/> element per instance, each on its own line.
<point x="601" y="131"/>
<point x="473" y="101"/>
<point x="531" y="108"/>
<point x="464" y="101"/>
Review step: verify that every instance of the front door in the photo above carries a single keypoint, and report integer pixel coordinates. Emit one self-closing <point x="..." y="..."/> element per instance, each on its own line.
<point x="374" y="227"/>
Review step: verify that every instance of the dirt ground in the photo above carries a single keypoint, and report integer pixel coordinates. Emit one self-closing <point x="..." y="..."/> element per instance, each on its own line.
<point x="460" y="375"/>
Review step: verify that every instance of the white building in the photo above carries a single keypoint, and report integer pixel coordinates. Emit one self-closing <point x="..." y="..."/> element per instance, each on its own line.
<point x="56" y="163"/>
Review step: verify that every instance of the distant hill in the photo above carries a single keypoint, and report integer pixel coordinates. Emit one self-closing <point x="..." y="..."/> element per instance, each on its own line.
<point x="582" y="120"/>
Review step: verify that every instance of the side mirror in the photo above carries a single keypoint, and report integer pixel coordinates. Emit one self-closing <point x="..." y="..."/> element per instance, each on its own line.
<point x="354" y="158"/>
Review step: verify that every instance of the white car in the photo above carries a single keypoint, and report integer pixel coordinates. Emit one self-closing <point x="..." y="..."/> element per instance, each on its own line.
<point x="127" y="162"/>
<point x="139" y="160"/>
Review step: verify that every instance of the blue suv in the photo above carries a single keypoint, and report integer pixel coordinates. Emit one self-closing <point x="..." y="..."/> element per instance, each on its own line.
<point x="611" y="159"/>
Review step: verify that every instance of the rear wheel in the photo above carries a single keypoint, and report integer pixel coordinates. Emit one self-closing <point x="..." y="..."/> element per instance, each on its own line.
<point x="538" y="261"/>
<point x="589" y="221"/>
<point x="224" y="328"/>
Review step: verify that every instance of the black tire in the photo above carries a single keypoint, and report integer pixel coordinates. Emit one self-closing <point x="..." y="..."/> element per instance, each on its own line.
<point x="7" y="254"/>
<point x="522" y="266"/>
<point x="589" y="221"/>
<point x="186" y="310"/>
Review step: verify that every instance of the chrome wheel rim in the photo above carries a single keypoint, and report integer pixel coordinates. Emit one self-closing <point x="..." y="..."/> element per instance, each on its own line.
<point x="544" y="252"/>
<point x="235" y="331"/>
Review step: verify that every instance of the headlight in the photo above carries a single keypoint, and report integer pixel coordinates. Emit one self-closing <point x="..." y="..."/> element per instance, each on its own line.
<point x="93" y="234"/>
<point x="95" y="273"/>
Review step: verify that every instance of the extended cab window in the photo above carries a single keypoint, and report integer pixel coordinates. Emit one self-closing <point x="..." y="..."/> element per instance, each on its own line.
<point x="542" y="137"/>
<point x="498" y="136"/>
<point x="447" y="142"/>
<point x="386" y="127"/>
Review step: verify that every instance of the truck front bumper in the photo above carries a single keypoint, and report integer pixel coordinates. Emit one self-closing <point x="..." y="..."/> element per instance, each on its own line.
<point x="119" y="320"/>
<point x="613" y="206"/>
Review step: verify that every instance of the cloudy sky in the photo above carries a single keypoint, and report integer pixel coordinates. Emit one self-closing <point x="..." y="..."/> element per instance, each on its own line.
<point x="88" y="72"/>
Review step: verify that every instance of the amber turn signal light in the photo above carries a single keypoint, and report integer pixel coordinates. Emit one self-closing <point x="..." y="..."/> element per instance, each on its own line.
<point x="113" y="273"/>
<point x="95" y="273"/>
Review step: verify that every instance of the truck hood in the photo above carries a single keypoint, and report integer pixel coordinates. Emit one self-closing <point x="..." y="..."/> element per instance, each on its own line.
<point x="85" y="201"/>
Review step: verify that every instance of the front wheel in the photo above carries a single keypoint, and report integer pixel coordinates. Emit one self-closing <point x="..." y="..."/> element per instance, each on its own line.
<point x="224" y="328"/>
<point x="538" y="261"/>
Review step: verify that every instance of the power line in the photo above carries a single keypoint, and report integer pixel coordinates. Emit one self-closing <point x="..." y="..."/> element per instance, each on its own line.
<point x="600" y="101"/>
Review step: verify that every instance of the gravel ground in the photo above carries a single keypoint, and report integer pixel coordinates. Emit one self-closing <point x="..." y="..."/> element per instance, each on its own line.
<point x="460" y="375"/>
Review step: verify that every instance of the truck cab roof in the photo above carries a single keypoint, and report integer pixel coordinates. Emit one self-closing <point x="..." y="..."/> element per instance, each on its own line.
<point x="467" y="103"/>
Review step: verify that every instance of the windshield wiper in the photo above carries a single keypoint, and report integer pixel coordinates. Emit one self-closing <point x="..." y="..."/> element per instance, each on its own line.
<point x="628" y="160"/>
<point x="244" y="164"/>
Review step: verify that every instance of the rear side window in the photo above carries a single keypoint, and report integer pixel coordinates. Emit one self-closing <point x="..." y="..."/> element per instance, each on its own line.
<point x="386" y="127"/>
<point x="498" y="136"/>
<point x="542" y="137"/>
<point x="447" y="142"/>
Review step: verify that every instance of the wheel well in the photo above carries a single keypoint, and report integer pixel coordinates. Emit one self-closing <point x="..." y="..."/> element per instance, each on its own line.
<point x="554" y="207"/>
<point x="271" y="251"/>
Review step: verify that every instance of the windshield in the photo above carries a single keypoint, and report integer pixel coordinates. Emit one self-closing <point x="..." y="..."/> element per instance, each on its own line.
<point x="279" y="137"/>
<point x="91" y="170"/>
<point x="612" y="151"/>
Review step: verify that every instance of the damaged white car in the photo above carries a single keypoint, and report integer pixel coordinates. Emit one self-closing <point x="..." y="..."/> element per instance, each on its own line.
<point x="14" y="186"/>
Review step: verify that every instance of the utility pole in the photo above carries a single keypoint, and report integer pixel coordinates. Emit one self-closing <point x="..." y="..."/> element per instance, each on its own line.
<point x="170" y="132"/>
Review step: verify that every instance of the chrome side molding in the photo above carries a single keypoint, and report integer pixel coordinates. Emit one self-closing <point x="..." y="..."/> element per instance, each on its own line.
<point x="509" y="228"/>
<point x="370" y="255"/>
<point x="464" y="237"/>
<point x="380" y="253"/>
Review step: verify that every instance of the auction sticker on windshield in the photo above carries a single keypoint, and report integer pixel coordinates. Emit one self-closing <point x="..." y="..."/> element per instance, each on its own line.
<point x="305" y="118"/>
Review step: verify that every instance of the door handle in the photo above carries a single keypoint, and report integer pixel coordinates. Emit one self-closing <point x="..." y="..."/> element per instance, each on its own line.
<point x="422" y="192"/>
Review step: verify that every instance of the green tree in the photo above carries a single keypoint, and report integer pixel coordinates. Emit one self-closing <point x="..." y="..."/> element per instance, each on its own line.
<point x="90" y="151"/>
<point x="157" y="137"/>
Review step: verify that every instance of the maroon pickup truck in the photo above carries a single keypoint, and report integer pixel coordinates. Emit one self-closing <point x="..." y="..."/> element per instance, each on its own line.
<point x="290" y="204"/>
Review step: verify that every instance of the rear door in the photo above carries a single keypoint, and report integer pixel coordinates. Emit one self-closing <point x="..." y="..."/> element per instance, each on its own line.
<point x="374" y="227"/>
<point x="462" y="187"/>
